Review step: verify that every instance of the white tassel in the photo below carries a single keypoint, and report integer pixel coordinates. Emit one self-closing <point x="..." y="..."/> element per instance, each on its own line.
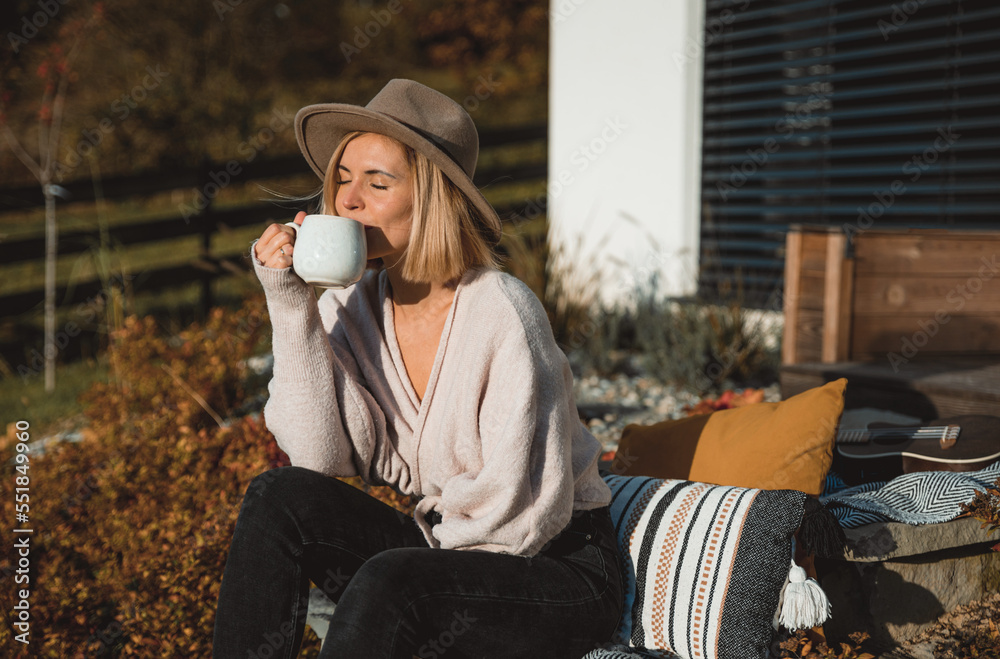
<point x="803" y="603"/>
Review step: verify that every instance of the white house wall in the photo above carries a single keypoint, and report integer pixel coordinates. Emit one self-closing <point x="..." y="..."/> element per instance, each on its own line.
<point x="625" y="139"/>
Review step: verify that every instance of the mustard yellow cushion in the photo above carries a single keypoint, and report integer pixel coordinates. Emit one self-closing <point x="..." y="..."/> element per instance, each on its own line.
<point x="770" y="446"/>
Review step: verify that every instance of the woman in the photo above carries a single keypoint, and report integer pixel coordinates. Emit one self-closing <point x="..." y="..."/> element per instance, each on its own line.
<point x="436" y="374"/>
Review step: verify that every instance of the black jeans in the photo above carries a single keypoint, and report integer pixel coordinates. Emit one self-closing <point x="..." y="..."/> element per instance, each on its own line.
<point x="396" y="597"/>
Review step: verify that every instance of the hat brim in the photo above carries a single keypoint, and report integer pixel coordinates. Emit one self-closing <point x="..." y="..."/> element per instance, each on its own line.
<point x="319" y="129"/>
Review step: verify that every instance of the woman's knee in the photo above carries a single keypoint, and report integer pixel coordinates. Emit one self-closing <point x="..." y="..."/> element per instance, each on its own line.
<point x="278" y="494"/>
<point x="279" y="482"/>
<point x="392" y="573"/>
<point x="308" y="501"/>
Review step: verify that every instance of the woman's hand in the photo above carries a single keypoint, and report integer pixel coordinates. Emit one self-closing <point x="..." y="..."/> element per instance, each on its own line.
<point x="274" y="249"/>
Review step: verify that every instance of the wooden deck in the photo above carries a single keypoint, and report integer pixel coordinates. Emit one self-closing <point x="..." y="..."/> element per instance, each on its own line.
<point x="930" y="389"/>
<point x="910" y="317"/>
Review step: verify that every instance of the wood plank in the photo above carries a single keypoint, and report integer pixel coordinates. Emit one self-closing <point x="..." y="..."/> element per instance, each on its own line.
<point x="810" y="352"/>
<point x="926" y="388"/>
<point x="835" y="326"/>
<point x="175" y="226"/>
<point x="845" y="312"/>
<point x="146" y="280"/>
<point x="151" y="182"/>
<point x="814" y="252"/>
<point x="860" y="392"/>
<point x="136" y="233"/>
<point x="876" y="336"/>
<point x="811" y="291"/>
<point x="926" y="294"/>
<point x="972" y="254"/>
<point x="793" y="262"/>
<point x="809" y="329"/>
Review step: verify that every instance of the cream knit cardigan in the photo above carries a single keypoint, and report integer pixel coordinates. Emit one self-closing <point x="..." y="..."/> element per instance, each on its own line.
<point x="495" y="446"/>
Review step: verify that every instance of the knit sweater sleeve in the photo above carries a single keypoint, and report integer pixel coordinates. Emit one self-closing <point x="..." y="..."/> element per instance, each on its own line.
<point x="532" y="440"/>
<point x="317" y="411"/>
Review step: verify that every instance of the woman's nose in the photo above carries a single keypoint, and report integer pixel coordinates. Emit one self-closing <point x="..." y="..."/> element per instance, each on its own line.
<point x="348" y="198"/>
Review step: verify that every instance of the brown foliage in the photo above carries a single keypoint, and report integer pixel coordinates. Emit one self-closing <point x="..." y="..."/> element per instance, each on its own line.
<point x="727" y="400"/>
<point x="985" y="507"/>
<point x="983" y="643"/>
<point x="132" y="524"/>
<point x="496" y="34"/>
<point x="801" y="646"/>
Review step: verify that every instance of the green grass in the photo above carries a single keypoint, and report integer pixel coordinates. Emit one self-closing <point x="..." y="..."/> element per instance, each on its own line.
<point x="85" y="265"/>
<point x="176" y="308"/>
<point x="118" y="259"/>
<point x="25" y="399"/>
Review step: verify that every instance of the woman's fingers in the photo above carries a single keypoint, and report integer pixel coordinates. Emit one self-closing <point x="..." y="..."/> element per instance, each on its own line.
<point x="276" y="244"/>
<point x="282" y="253"/>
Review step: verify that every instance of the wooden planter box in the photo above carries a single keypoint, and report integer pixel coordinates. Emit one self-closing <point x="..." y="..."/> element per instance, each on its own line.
<point x="899" y="313"/>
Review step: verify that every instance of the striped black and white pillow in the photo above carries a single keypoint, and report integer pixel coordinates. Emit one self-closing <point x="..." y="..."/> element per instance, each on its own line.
<point x="704" y="565"/>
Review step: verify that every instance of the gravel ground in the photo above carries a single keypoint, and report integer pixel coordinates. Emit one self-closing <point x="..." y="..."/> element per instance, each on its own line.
<point x="609" y="404"/>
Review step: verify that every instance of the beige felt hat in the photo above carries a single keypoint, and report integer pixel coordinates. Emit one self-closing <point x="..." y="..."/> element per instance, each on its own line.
<point x="416" y="115"/>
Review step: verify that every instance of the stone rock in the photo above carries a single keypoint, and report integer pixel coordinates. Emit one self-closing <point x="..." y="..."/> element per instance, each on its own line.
<point x="895" y="580"/>
<point x="320" y="611"/>
<point x="888" y="540"/>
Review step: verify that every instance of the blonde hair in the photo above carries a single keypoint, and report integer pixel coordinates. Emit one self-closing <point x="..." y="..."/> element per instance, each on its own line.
<point x="445" y="239"/>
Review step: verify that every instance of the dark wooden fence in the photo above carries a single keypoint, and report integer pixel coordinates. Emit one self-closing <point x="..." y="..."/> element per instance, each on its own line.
<point x="204" y="267"/>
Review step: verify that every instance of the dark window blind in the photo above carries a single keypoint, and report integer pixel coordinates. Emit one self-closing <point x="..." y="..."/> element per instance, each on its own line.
<point x="859" y="114"/>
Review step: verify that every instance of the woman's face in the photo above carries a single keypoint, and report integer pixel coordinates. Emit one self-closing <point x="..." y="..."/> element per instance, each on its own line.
<point x="375" y="189"/>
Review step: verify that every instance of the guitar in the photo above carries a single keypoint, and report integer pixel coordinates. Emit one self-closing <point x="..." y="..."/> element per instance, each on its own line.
<point x="883" y="451"/>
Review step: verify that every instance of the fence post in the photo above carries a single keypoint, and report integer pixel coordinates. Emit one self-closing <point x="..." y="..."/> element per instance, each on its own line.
<point x="207" y="226"/>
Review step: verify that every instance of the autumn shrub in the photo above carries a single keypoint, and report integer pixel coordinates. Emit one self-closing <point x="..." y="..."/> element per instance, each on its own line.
<point x="133" y="523"/>
<point x="802" y="645"/>
<point x="985" y="507"/>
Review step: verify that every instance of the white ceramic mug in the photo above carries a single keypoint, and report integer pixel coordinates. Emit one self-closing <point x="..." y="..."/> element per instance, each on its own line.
<point x="330" y="251"/>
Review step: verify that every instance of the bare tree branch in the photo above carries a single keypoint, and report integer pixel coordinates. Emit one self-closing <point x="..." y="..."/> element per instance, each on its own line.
<point x="194" y="394"/>
<point x="22" y="155"/>
<point x="60" y="97"/>
<point x="44" y="130"/>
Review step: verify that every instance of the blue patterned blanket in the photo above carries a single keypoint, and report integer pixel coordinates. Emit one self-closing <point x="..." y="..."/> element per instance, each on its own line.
<point x="624" y="652"/>
<point x="927" y="497"/>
